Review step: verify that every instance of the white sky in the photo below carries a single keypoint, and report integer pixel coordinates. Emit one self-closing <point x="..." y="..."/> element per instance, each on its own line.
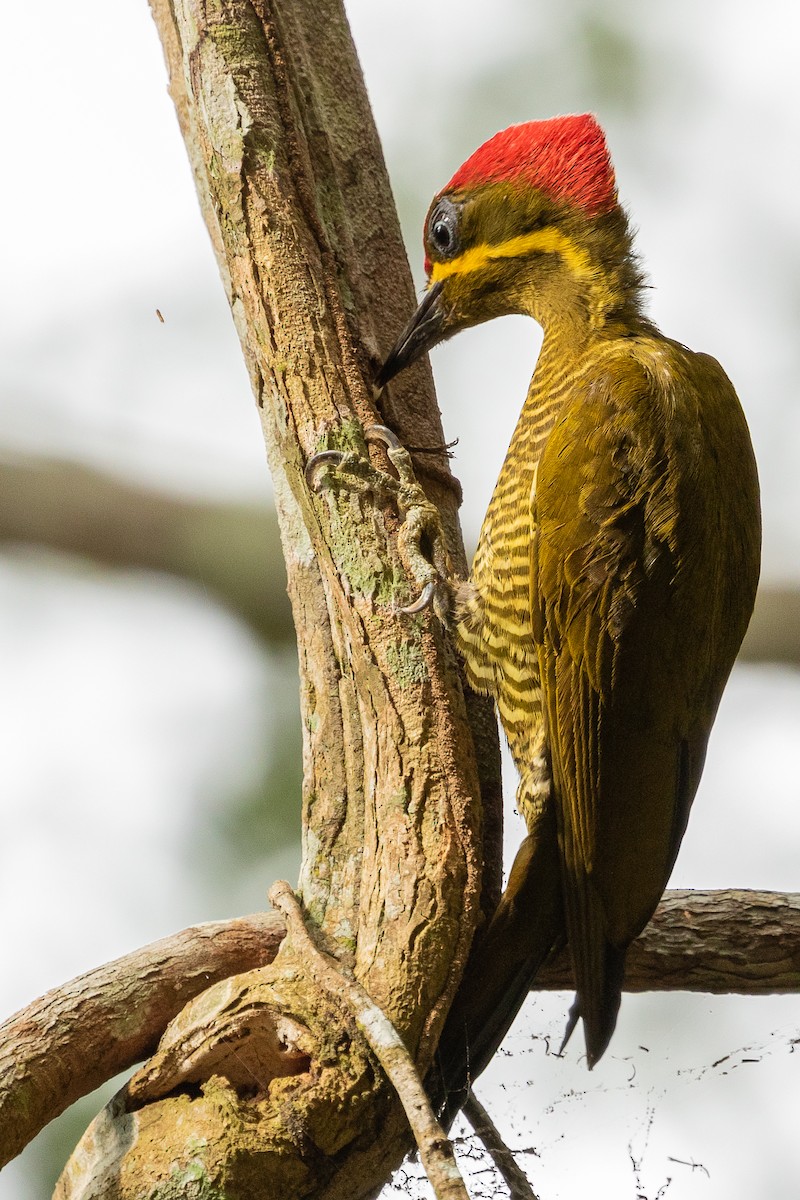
<point x="123" y="699"/>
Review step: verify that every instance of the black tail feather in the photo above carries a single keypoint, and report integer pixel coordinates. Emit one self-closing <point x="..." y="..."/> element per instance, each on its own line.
<point x="527" y="926"/>
<point x="599" y="1030"/>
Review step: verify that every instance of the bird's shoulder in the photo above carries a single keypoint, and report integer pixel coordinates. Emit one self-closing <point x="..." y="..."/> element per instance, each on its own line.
<point x="614" y="481"/>
<point x="646" y="498"/>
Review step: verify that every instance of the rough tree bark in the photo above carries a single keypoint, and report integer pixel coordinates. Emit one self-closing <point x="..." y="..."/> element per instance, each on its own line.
<point x="262" y="1086"/>
<point x="292" y="185"/>
<point x="71" y="1040"/>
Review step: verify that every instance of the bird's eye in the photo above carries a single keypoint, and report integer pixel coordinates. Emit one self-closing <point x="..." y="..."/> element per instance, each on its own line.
<point x="442" y="236"/>
<point x="443" y="229"/>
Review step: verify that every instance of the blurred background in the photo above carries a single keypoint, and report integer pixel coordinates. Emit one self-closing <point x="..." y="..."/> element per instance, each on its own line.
<point x="150" y="745"/>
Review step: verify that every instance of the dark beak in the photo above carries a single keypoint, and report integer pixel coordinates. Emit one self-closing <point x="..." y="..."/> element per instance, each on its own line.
<point x="424" y="330"/>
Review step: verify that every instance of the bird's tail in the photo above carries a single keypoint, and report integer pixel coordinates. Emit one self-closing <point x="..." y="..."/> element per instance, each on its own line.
<point x="599" y="967"/>
<point x="600" y="1015"/>
<point x="526" y="927"/>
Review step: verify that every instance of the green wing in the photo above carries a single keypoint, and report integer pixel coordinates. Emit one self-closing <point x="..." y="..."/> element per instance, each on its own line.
<point x="610" y="609"/>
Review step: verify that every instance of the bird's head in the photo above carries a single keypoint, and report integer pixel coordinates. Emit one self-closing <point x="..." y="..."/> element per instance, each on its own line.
<point x="529" y="224"/>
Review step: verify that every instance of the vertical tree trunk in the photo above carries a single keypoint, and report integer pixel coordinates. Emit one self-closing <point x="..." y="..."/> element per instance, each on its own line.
<point x="294" y="192"/>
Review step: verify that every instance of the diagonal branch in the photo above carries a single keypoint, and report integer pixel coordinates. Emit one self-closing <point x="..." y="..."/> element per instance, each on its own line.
<point x="512" y="1174"/>
<point x="435" y="1149"/>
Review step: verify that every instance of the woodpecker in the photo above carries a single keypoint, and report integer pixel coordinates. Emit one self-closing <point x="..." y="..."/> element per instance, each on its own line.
<point x="616" y="568"/>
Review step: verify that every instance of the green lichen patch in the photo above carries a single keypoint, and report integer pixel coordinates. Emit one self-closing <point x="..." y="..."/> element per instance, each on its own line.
<point x="394" y="587"/>
<point x="400" y="799"/>
<point x="346" y="436"/>
<point x="312" y="722"/>
<point x="356" y="534"/>
<point x="188" y="1181"/>
<point x="406" y="663"/>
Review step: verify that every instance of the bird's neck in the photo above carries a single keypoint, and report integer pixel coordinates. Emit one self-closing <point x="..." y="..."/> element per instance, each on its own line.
<point x="569" y="335"/>
<point x="585" y="312"/>
<point x="575" y="340"/>
<point x="591" y="292"/>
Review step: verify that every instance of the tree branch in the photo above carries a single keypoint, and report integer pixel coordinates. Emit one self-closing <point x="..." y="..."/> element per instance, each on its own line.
<point x="231" y="550"/>
<point x="398" y="860"/>
<point x="435" y="1149"/>
<point x="724" y="942"/>
<point x="512" y="1174"/>
<point x="74" y="1038"/>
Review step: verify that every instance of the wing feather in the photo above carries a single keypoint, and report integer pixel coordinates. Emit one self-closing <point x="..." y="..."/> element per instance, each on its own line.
<point x="604" y="554"/>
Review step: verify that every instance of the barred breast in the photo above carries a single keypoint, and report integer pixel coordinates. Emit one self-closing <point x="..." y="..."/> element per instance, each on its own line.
<point x="494" y="626"/>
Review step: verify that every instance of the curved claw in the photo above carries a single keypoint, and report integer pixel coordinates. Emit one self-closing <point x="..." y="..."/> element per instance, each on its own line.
<point x="418" y="515"/>
<point x="381" y="433"/>
<point x="320" y="460"/>
<point x="423" y="601"/>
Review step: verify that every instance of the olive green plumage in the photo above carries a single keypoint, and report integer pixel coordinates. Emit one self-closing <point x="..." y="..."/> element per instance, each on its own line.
<point x="612" y="586"/>
<point x="643" y="569"/>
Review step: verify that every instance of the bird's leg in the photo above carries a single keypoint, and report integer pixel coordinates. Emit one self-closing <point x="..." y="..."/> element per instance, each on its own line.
<point x="420" y="539"/>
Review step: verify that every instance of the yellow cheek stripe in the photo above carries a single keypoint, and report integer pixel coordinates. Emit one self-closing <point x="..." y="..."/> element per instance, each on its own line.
<point x="547" y="240"/>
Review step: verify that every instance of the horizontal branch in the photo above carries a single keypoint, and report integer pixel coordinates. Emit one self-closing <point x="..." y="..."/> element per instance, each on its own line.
<point x="76" y="1037"/>
<point x="721" y="942"/>
<point x="230" y="550"/>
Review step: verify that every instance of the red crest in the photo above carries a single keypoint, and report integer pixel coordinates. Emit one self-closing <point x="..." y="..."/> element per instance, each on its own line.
<point x="566" y="157"/>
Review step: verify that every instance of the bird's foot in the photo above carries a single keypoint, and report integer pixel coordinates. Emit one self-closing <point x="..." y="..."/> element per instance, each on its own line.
<point x="420" y="538"/>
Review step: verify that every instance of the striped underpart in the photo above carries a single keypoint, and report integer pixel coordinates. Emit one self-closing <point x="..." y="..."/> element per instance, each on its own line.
<point x="495" y="631"/>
